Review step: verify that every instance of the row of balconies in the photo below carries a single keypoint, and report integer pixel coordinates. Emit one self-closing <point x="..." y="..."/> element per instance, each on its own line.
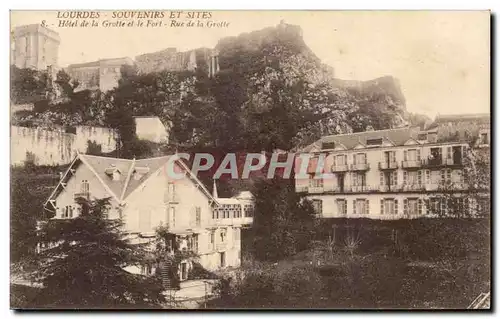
<point x="379" y="188"/>
<point x="424" y="163"/>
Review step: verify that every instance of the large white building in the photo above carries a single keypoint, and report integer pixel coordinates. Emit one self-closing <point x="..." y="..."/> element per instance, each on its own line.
<point x="144" y="195"/>
<point x="387" y="174"/>
<point x="34" y="46"/>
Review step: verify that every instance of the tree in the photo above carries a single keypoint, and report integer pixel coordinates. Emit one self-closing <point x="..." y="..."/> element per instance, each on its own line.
<point x="469" y="197"/>
<point x="27" y="85"/>
<point x="283" y="222"/>
<point x="84" y="266"/>
<point x="66" y="84"/>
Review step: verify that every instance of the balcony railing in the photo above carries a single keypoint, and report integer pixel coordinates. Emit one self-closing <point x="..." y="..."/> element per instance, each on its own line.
<point x="413" y="187"/>
<point x="85" y="195"/>
<point x="360" y="167"/>
<point x="387" y="165"/>
<point x="389" y="188"/>
<point x="340" y="168"/>
<point x="360" y="188"/>
<point x="411" y="164"/>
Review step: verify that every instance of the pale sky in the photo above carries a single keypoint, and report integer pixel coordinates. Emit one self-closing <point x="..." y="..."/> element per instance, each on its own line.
<point x="441" y="58"/>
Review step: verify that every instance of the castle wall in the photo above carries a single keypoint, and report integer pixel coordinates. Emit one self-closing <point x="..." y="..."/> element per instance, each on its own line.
<point x="56" y="147"/>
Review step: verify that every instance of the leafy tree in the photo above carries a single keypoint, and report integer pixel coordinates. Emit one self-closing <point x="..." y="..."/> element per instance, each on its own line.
<point x="283" y="222"/>
<point x="27" y="85"/>
<point x="469" y="197"/>
<point x="66" y="84"/>
<point x="84" y="267"/>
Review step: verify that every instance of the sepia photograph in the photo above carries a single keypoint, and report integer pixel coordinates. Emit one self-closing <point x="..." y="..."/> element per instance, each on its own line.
<point x="218" y="160"/>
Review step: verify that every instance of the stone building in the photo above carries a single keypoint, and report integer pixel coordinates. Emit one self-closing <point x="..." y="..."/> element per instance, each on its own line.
<point x="34" y="46"/>
<point x="390" y="174"/>
<point x="98" y="75"/>
<point x="172" y="60"/>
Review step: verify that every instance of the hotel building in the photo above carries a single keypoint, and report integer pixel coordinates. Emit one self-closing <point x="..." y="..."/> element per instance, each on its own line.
<point x="388" y="174"/>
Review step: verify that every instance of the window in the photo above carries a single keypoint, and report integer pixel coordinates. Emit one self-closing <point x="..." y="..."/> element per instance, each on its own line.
<point x="359" y="158"/>
<point x="212" y="237"/>
<point x="340" y="160"/>
<point x="328" y="145"/>
<point x="412" y="155"/>
<point x="484" y="138"/>
<point x="412" y="207"/>
<point x="360" y="206"/>
<point x="389" y="206"/>
<point x="393" y="178"/>
<point x="237" y="211"/>
<point x="341" y="206"/>
<point x="315" y="181"/>
<point x="374" y="141"/>
<point x="358" y="179"/>
<point x="85" y="187"/>
<point x="422" y="136"/>
<point x="445" y="176"/>
<point x="198" y="216"/>
<point x="412" y="178"/>
<point x="248" y="210"/>
<point x="172" y="192"/>
<point x="172" y="216"/>
<point x="223" y="234"/>
<point x="318" y="206"/>
<point x="192" y="243"/>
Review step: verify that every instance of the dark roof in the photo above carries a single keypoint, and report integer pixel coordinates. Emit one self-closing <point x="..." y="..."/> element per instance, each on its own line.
<point x="479" y="117"/>
<point x="397" y="136"/>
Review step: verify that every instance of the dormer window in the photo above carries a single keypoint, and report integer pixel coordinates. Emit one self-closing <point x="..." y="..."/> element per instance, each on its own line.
<point x="422" y="136"/>
<point x="374" y="142"/>
<point x="113" y="172"/>
<point x="328" y="145"/>
<point x="139" y="172"/>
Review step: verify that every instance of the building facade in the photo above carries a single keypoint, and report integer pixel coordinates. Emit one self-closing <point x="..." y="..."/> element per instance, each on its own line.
<point x="172" y="60"/>
<point x="34" y="46"/>
<point x="145" y="197"/>
<point x="100" y="75"/>
<point x="151" y="128"/>
<point x="389" y="174"/>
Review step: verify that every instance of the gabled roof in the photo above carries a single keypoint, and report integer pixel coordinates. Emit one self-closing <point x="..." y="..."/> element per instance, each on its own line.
<point x="120" y="189"/>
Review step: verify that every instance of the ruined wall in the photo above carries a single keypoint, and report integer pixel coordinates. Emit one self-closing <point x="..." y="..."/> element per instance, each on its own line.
<point x="56" y="147"/>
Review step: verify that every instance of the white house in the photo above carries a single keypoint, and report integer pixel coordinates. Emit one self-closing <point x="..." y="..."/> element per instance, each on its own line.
<point x="150" y="128"/>
<point x="145" y="196"/>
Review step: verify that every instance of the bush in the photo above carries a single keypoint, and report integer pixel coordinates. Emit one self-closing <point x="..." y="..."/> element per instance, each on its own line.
<point x="41" y="106"/>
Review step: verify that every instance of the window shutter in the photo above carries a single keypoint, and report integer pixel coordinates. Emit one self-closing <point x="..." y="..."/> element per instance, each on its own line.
<point x="381" y="179"/>
<point x="381" y="207"/>
<point x="405" y="206"/>
<point x="418" y="155"/>
<point x="405" y="177"/>
<point x="335" y="161"/>
<point x="405" y="156"/>
<point x="419" y="177"/>
<point x="367" y="207"/>
<point x="395" y="178"/>
<point x="420" y="206"/>
<point x="354" y="207"/>
<point x="354" y="159"/>
<point x="396" y="208"/>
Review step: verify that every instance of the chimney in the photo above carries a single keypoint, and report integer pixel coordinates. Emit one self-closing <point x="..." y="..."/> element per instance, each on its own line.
<point x="214" y="191"/>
